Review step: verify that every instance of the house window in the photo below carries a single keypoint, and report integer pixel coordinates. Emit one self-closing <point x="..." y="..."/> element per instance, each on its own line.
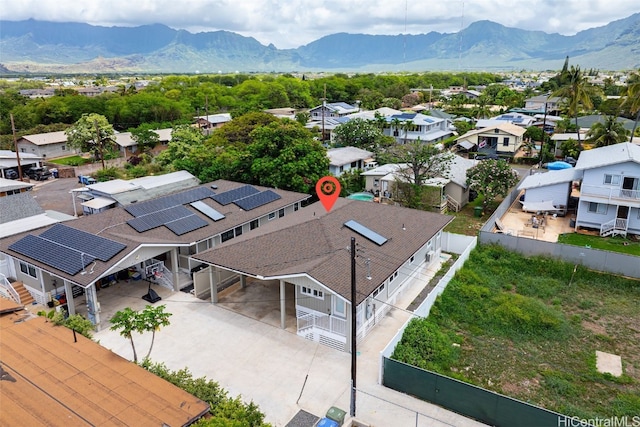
<point x="612" y="179"/>
<point x="599" y="208"/>
<point x="64" y="147"/>
<point x="238" y="231"/>
<point x="496" y="131"/>
<point x="272" y="215"/>
<point x="281" y="213"/>
<point x="227" y="235"/>
<point x="254" y="224"/>
<point x="28" y="269"/>
<point x="339" y="306"/>
<point x="412" y="258"/>
<point x="505" y="141"/>
<point x="312" y="292"/>
<point x="376" y="181"/>
<point x="393" y="276"/>
<point x="354" y="164"/>
<point x="378" y="291"/>
<point x="341" y="168"/>
<point x="296" y="206"/>
<point x="23" y="150"/>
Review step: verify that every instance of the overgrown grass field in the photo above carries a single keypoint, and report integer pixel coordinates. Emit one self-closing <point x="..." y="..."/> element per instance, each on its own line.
<point x="613" y="244"/>
<point x="529" y="328"/>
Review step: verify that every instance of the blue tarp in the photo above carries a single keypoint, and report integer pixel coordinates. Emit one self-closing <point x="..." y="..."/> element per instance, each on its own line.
<point x="554" y="166"/>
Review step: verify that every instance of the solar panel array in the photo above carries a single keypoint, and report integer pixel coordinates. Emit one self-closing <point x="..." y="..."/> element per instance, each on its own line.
<point x="67" y="249"/>
<point x="166" y="202"/>
<point x="257" y="200"/>
<point x="207" y="210"/>
<point x="156" y="219"/>
<point x="186" y="224"/>
<point x="99" y="247"/>
<point x="235" y="194"/>
<point x="366" y="232"/>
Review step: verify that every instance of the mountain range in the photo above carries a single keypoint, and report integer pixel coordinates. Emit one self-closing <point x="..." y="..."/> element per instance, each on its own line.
<point x="51" y="47"/>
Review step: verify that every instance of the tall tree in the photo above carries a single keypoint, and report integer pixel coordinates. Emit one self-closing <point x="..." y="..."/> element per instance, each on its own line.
<point x="491" y="178"/>
<point x="632" y="102"/>
<point x="609" y="132"/>
<point x="92" y="133"/>
<point x="145" y="138"/>
<point x="362" y="134"/>
<point x="424" y="161"/>
<point x="576" y="93"/>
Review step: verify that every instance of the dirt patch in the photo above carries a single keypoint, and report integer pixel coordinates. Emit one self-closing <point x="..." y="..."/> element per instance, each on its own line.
<point x="594" y="327"/>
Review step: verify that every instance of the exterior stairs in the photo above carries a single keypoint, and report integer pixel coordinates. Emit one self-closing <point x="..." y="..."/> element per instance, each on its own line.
<point x="23" y="293"/>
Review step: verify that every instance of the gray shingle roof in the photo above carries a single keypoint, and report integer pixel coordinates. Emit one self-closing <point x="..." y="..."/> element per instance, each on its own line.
<point x="318" y="247"/>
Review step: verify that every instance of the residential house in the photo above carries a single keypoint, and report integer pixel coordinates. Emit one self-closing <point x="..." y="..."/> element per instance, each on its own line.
<point x="129" y="147"/>
<point x="517" y="119"/>
<point x="209" y="123"/>
<point x="9" y="162"/>
<point x="20" y="211"/>
<point x="285" y="112"/>
<point x="151" y="240"/>
<point x="549" y="191"/>
<point x="118" y="192"/>
<point x="411" y="127"/>
<point x="310" y="258"/>
<point x="46" y="145"/>
<point x="557" y="139"/>
<point x="610" y="189"/>
<point x="344" y="159"/>
<point x="609" y="199"/>
<point x="503" y="139"/>
<point x="536" y="104"/>
<point x="585" y="122"/>
<point x="453" y="187"/>
<point x="335" y="109"/>
<point x="52" y="376"/>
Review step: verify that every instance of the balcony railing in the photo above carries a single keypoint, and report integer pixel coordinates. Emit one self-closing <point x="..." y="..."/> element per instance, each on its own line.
<point x="610" y="193"/>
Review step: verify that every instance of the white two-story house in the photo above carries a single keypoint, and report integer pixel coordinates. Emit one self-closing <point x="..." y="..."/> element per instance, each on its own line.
<point x="410" y="127"/>
<point x="610" y="190"/>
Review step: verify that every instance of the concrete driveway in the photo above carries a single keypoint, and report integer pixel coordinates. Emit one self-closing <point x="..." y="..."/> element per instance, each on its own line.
<point x="278" y="370"/>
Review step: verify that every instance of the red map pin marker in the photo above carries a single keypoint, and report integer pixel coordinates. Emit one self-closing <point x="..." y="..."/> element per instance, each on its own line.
<point x="328" y="191"/>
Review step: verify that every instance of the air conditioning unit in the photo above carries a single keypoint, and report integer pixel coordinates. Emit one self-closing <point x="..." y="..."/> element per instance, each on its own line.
<point x="430" y="256"/>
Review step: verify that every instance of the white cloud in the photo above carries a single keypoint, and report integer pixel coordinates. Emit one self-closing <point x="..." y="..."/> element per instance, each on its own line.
<point x="291" y="23"/>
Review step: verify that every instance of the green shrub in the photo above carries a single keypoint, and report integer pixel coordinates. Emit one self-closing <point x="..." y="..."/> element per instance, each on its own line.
<point x="108" y="174"/>
<point x="425" y="346"/>
<point x="226" y="411"/>
<point x="518" y="314"/>
<point x="559" y="384"/>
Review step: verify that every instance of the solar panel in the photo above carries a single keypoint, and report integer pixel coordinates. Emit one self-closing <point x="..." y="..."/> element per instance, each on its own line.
<point x="257" y="200"/>
<point x="366" y="232"/>
<point x="156" y="219"/>
<point x="235" y="194"/>
<point x="166" y="202"/>
<point x="207" y="210"/>
<point x="99" y="247"/>
<point x="186" y="224"/>
<point x="52" y="254"/>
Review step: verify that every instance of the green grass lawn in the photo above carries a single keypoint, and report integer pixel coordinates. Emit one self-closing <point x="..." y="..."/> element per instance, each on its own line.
<point x="613" y="244"/>
<point x="529" y="328"/>
<point x="71" y="161"/>
<point x="465" y="222"/>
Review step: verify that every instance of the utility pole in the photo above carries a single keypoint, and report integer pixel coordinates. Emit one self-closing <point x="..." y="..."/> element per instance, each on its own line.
<point x="99" y="144"/>
<point x="353" y="327"/>
<point x="15" y="144"/>
<point x="324" y="105"/>
<point x="544" y="124"/>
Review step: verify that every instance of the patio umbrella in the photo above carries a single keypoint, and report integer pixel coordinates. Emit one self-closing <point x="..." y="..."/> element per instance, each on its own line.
<point x="554" y="166"/>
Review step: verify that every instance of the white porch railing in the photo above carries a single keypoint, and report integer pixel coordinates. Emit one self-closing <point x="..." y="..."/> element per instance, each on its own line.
<point x="7" y="290"/>
<point x="325" y="322"/>
<point x="615" y="226"/>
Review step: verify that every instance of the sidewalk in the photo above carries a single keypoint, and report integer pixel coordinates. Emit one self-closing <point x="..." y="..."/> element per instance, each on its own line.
<point x="280" y="371"/>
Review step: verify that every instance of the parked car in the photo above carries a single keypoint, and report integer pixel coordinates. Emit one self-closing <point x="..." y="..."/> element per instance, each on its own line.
<point x="39" y="174"/>
<point x="571" y="161"/>
<point x="10" y="174"/>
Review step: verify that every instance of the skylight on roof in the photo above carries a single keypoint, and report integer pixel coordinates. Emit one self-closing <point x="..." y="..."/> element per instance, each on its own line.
<point x="366" y="232"/>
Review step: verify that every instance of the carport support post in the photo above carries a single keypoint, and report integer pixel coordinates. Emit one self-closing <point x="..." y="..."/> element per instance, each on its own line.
<point x="283" y="306"/>
<point x="214" y="286"/>
<point x="71" y="306"/>
<point x="243" y="281"/>
<point x="176" y="269"/>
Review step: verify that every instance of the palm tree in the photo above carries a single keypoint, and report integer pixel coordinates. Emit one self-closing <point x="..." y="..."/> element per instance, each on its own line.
<point x="406" y="126"/>
<point x="396" y="123"/>
<point x="576" y="92"/>
<point x="632" y="101"/>
<point x="609" y="132"/>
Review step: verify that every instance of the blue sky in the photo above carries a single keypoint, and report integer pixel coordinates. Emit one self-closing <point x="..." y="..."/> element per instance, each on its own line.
<point x="292" y="23"/>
